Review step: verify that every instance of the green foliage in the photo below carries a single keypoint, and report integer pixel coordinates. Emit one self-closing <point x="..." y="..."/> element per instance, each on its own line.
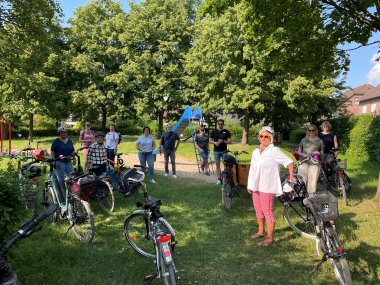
<point x="365" y="138"/>
<point x="297" y="135"/>
<point x="11" y="209"/>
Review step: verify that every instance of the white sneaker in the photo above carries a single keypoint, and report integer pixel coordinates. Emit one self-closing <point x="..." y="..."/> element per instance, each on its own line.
<point x="218" y="182"/>
<point x="152" y="181"/>
<point x="165" y="174"/>
<point x="174" y="176"/>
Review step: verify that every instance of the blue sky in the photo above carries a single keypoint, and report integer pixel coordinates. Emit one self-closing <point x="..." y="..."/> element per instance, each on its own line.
<point x="363" y="68"/>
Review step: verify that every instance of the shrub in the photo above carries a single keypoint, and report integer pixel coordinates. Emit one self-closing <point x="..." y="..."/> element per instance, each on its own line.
<point x="297" y="135"/>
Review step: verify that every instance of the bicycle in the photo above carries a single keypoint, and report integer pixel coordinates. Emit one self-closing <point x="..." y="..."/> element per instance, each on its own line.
<point x="333" y="177"/>
<point x="324" y="208"/>
<point x="28" y="174"/>
<point x="7" y="276"/>
<point x="230" y="178"/>
<point x="72" y="201"/>
<point x="150" y="235"/>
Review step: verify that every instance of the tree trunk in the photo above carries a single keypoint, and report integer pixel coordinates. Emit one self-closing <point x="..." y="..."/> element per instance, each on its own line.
<point x="160" y="123"/>
<point x="245" y="136"/>
<point x="30" y="127"/>
<point x="377" y="198"/>
<point x="104" y="118"/>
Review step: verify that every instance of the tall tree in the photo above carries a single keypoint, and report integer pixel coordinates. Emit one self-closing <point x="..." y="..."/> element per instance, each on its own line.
<point x="157" y="36"/>
<point x="29" y="33"/>
<point x="94" y="56"/>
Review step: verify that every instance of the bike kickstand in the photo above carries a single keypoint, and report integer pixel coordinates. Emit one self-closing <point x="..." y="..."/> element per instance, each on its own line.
<point x="65" y="234"/>
<point x="319" y="264"/>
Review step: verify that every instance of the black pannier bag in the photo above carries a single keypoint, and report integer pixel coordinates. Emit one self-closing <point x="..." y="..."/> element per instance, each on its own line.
<point x="84" y="186"/>
<point x="229" y="159"/>
<point x="130" y="181"/>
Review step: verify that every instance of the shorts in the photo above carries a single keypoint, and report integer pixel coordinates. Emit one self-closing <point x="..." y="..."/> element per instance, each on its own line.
<point x="204" y="155"/>
<point x="219" y="155"/>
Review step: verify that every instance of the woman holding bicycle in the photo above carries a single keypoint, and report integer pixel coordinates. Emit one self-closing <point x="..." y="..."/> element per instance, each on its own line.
<point x="61" y="148"/>
<point x="264" y="183"/>
<point x="146" y="144"/>
<point x="310" y="146"/>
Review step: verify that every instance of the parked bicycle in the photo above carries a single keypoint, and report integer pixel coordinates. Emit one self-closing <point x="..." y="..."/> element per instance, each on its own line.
<point x="7" y="276"/>
<point x="324" y="208"/>
<point x="149" y="234"/>
<point x="333" y="176"/>
<point x="73" y="201"/>
<point x="28" y="170"/>
<point x="231" y="182"/>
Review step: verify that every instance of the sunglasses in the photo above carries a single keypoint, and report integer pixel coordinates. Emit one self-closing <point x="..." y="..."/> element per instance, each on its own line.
<point x="264" y="137"/>
<point x="220" y="124"/>
<point x="311" y="130"/>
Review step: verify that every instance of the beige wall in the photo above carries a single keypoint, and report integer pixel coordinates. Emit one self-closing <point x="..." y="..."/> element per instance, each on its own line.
<point x="366" y="107"/>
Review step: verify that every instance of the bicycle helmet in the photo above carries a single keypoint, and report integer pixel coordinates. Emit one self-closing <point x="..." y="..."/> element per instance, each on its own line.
<point x="62" y="129"/>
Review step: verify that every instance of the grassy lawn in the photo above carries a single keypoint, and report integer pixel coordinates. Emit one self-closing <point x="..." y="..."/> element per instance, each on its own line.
<point x="214" y="245"/>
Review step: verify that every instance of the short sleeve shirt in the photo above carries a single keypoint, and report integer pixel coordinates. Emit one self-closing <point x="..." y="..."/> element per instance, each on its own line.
<point x="146" y="143"/>
<point x="309" y="146"/>
<point x="169" y="139"/>
<point x="202" y="142"/>
<point x="220" y="134"/>
<point x="61" y="148"/>
<point x="112" y="140"/>
<point x="88" y="136"/>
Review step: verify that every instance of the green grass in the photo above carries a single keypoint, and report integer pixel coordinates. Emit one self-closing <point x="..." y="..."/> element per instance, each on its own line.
<point x="214" y="245"/>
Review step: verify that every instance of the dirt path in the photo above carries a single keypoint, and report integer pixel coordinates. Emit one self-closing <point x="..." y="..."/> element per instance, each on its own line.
<point x="184" y="167"/>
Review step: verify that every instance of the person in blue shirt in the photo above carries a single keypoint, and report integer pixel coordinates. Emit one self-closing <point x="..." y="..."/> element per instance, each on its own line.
<point x="146" y="144"/>
<point x="61" y="148"/>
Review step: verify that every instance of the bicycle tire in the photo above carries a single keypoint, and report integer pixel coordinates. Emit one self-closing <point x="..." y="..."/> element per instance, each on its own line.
<point x="338" y="262"/>
<point x="226" y="193"/>
<point x="136" y="231"/>
<point x="105" y="197"/>
<point x="81" y="219"/>
<point x="299" y="219"/>
<point x="168" y="273"/>
<point x="48" y="196"/>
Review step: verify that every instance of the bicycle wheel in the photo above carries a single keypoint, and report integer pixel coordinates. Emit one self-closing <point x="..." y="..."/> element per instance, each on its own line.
<point x="104" y="196"/>
<point x="168" y="272"/>
<point x="300" y="219"/>
<point x="136" y="231"/>
<point x="338" y="261"/>
<point x="49" y="196"/>
<point x="81" y="219"/>
<point x="226" y="193"/>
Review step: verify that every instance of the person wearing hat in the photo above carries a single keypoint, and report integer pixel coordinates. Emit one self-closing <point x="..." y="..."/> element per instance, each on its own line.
<point x="96" y="161"/>
<point x="62" y="148"/>
<point x="202" y="144"/>
<point x="264" y="183"/>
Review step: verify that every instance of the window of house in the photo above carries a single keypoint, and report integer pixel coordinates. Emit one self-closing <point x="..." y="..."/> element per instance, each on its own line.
<point x="364" y="109"/>
<point x="373" y="108"/>
<point x="356" y="100"/>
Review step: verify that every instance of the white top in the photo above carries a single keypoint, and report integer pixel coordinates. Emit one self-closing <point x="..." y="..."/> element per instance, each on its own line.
<point x="112" y="140"/>
<point x="264" y="174"/>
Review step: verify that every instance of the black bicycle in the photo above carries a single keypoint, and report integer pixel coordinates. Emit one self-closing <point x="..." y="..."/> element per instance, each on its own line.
<point x="7" y="276"/>
<point x="230" y="178"/>
<point x="149" y="234"/>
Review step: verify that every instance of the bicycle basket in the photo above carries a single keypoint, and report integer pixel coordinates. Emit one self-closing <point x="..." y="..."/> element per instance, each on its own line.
<point x="84" y="186"/>
<point x="325" y="205"/>
<point x="130" y="181"/>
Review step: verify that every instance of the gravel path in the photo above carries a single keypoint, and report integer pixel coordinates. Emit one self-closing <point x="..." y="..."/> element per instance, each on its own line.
<point x="184" y="167"/>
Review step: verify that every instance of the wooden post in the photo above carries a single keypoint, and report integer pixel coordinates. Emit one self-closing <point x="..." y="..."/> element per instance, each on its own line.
<point x="377" y="198"/>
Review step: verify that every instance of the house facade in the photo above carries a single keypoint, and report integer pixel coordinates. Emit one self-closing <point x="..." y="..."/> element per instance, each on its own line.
<point x="355" y="97"/>
<point x="370" y="103"/>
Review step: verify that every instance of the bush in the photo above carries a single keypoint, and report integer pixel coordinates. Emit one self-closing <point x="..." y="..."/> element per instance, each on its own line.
<point x="297" y="135"/>
<point x="11" y="207"/>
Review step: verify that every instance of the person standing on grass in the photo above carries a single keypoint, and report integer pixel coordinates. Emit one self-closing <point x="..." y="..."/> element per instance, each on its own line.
<point x="112" y="142"/>
<point x="328" y="138"/>
<point x="96" y="161"/>
<point x="86" y="137"/>
<point x="169" y="145"/>
<point x="61" y="148"/>
<point x="146" y="144"/>
<point x="220" y="138"/>
<point x="264" y="183"/>
<point x="202" y="144"/>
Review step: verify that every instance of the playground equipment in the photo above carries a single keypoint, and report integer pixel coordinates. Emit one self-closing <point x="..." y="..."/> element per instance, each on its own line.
<point x="190" y="118"/>
<point x="2" y="121"/>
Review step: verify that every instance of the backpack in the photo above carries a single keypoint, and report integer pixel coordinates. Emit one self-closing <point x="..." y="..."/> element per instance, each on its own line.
<point x="119" y="141"/>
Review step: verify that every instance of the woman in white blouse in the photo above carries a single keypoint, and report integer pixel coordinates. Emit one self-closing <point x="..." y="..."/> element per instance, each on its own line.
<point x="264" y="183"/>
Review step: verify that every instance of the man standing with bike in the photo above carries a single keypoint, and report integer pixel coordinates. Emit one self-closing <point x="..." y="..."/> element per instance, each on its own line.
<point x="220" y="138"/>
<point x="97" y="155"/>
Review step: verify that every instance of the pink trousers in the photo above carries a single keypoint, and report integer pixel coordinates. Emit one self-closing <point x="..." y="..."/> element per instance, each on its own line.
<point x="264" y="206"/>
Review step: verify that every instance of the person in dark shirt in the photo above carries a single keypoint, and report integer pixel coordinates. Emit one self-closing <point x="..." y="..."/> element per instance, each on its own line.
<point x="220" y="138"/>
<point x="329" y="139"/>
<point x="169" y="145"/>
<point x="202" y="144"/>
